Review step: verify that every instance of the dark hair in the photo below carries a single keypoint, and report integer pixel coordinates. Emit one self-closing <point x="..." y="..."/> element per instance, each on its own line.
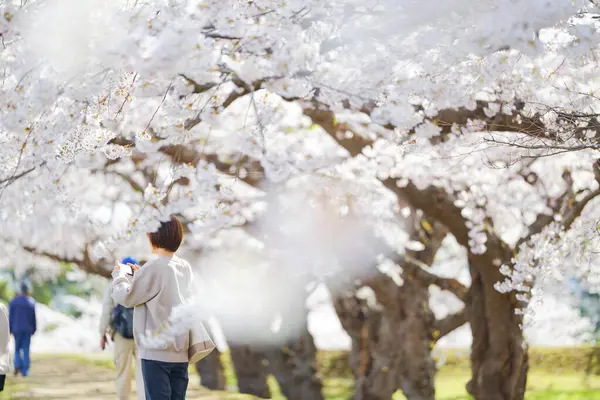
<point x="168" y="236"/>
<point x="25" y="287"/>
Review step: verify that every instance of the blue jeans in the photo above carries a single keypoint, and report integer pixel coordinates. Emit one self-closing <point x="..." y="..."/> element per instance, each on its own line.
<point x="165" y="380"/>
<point x="22" y="342"/>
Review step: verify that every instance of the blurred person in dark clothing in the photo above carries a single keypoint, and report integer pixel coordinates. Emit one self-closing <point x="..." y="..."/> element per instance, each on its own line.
<point x="22" y="323"/>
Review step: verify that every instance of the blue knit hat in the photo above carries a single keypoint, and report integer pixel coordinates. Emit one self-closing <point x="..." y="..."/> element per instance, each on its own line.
<point x="130" y="260"/>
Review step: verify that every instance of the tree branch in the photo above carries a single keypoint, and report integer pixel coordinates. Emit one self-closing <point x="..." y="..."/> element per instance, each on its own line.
<point x="576" y="209"/>
<point x="434" y="201"/>
<point x="13" y="178"/>
<point x="199" y="88"/>
<point x="85" y="263"/>
<point x="419" y="270"/>
<point x="566" y="206"/>
<point x="451" y="322"/>
<point x="132" y="183"/>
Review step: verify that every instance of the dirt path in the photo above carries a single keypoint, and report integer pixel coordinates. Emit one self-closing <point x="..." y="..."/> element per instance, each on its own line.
<point x="68" y="378"/>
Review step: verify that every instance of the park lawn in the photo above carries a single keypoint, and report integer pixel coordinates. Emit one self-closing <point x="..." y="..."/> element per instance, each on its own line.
<point x="559" y="381"/>
<point x="541" y="385"/>
<point x="450" y="385"/>
<point x="11" y="388"/>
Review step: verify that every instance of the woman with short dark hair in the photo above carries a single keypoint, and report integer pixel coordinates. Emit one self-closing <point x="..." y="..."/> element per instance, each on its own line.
<point x="154" y="290"/>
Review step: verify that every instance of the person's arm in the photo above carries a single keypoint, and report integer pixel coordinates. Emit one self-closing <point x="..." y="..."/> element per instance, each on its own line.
<point x="144" y="286"/>
<point x="11" y="317"/>
<point x="34" y="319"/>
<point x="107" y="308"/>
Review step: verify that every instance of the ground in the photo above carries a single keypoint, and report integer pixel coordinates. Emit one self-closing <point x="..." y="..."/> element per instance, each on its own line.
<point x="74" y="378"/>
<point x="91" y="378"/>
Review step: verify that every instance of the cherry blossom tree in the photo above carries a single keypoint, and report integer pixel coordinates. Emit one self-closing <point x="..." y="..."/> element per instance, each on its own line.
<point x="482" y="119"/>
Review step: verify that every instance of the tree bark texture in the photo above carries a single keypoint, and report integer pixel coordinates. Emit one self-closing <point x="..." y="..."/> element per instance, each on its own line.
<point x="500" y="362"/>
<point x="499" y="358"/>
<point x="406" y="339"/>
<point x="293" y="362"/>
<point x="294" y="366"/>
<point x="211" y="371"/>
<point x="406" y="333"/>
<point x="499" y="354"/>
<point x="391" y="348"/>
<point x="289" y="354"/>
<point x="392" y="340"/>
<point x="362" y="324"/>
<point x="250" y="370"/>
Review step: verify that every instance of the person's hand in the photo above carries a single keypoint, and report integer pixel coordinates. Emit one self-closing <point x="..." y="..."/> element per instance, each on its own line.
<point x="103" y="341"/>
<point x="134" y="267"/>
<point x="116" y="269"/>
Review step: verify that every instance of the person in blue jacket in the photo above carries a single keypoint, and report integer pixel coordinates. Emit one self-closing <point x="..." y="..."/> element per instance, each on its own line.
<point x="21" y="314"/>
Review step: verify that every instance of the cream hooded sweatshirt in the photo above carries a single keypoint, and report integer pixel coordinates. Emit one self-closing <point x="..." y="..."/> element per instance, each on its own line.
<point x="155" y="290"/>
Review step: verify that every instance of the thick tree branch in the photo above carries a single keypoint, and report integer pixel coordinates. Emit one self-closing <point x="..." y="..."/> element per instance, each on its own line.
<point x="418" y="269"/>
<point x="84" y="263"/>
<point x="575" y="210"/>
<point x="435" y="202"/>
<point x="566" y="206"/>
<point x="199" y="87"/>
<point x="451" y="322"/>
<point x="446" y="120"/>
<point x="128" y="179"/>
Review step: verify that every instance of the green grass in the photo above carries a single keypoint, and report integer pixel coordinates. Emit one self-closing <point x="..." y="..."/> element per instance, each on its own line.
<point x="450" y="385"/>
<point x="556" y="374"/>
<point x="540" y="386"/>
<point x="11" y="389"/>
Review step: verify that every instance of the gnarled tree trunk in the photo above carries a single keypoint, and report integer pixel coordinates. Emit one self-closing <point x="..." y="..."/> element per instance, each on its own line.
<point x="289" y="354"/>
<point x="293" y="362"/>
<point x="499" y="357"/>
<point x="408" y="337"/>
<point x="391" y="346"/>
<point x="210" y="368"/>
<point x="211" y="372"/>
<point x="362" y="322"/>
<point x="392" y="340"/>
<point x="294" y="366"/>
<point x="250" y="370"/>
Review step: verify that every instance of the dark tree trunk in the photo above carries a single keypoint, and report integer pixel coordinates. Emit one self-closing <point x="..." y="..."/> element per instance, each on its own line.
<point x="408" y="337"/>
<point x="250" y="370"/>
<point x="392" y="341"/>
<point x="499" y="355"/>
<point x="293" y="362"/>
<point x="211" y="372"/>
<point x="362" y="323"/>
<point x="289" y="353"/>
<point x="295" y="368"/>
<point x="413" y="320"/>
<point x="391" y="346"/>
<point x="210" y="369"/>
